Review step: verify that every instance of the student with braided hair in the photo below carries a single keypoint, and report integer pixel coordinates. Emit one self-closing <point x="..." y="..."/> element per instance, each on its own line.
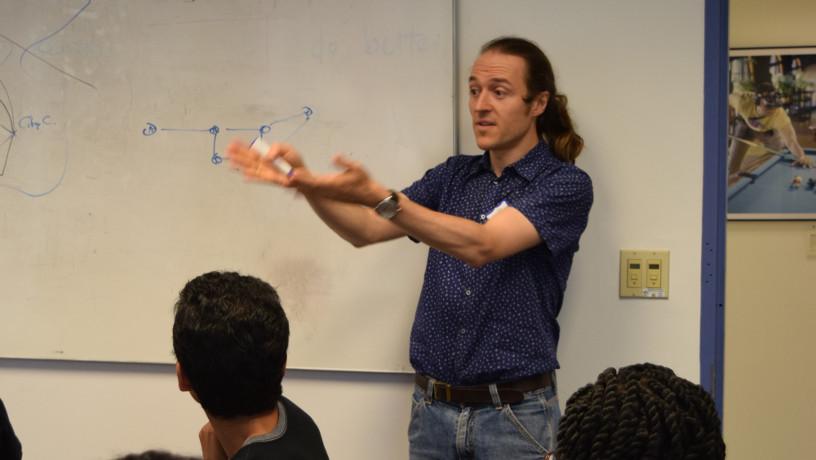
<point x="643" y="411"/>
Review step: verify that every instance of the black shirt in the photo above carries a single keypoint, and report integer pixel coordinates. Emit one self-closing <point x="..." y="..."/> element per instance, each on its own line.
<point x="295" y="438"/>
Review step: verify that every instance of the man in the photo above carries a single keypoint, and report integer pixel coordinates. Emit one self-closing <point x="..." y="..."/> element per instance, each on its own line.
<point x="230" y="338"/>
<point x="642" y="411"/>
<point x="759" y="116"/>
<point x="503" y="228"/>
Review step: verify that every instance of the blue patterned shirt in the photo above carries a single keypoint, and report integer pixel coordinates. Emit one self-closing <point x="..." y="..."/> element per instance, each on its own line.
<point x="498" y="322"/>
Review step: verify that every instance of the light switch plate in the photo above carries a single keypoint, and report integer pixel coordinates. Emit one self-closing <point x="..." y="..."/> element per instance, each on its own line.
<point x="644" y="273"/>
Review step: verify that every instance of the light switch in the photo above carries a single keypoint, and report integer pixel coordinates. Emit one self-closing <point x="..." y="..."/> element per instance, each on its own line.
<point x="633" y="273"/>
<point x="644" y="273"/>
<point x="653" y="273"/>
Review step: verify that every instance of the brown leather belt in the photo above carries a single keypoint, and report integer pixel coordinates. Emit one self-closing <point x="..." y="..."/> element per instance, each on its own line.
<point x="509" y="392"/>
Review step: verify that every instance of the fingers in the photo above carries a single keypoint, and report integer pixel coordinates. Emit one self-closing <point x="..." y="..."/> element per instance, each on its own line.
<point x="256" y="167"/>
<point x="287" y="153"/>
<point x="304" y="180"/>
<point x="240" y="155"/>
<point x="276" y="150"/>
<point x="264" y="171"/>
<point x="344" y="162"/>
<point x="804" y="162"/>
<point x="211" y="448"/>
<point x="206" y="432"/>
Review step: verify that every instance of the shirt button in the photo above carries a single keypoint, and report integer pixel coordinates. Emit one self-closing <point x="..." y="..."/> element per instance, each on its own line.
<point x="467" y="291"/>
<point x="482" y="217"/>
<point x="495" y="182"/>
<point x="463" y="331"/>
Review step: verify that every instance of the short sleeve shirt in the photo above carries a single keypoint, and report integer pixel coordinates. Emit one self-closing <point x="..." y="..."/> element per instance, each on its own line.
<point x="745" y="106"/>
<point x="497" y="323"/>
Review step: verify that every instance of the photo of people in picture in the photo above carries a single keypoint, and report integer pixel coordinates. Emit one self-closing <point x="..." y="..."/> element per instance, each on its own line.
<point x="772" y="134"/>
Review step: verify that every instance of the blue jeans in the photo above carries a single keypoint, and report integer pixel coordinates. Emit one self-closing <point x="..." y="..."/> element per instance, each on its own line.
<point x="442" y="431"/>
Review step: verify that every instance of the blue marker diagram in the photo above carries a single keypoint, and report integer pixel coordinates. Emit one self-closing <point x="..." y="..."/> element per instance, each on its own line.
<point x="7" y="130"/>
<point x="12" y="127"/>
<point x="215" y="158"/>
<point x="35" y="148"/>
<point x="26" y="50"/>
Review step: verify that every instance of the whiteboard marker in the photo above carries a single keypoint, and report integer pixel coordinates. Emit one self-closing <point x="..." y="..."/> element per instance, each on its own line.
<point x="262" y="147"/>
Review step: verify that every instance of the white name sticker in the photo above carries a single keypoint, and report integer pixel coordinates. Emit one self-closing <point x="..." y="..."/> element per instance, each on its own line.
<point x="498" y="208"/>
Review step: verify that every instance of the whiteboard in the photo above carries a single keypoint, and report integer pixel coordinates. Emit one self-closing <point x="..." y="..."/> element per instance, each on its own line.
<point x="113" y="192"/>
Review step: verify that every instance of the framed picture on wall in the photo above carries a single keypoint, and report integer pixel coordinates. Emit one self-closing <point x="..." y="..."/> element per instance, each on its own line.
<point x="772" y="134"/>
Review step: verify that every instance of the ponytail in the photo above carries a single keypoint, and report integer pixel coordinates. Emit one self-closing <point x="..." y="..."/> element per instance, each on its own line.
<point x="555" y="126"/>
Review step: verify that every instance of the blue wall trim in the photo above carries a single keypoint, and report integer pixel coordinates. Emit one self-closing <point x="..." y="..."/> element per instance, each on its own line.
<point x="715" y="121"/>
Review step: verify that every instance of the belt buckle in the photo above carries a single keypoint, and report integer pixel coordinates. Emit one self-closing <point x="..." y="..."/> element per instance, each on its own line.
<point x="447" y="388"/>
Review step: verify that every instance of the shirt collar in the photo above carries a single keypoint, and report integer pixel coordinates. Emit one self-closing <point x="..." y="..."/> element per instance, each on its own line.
<point x="538" y="159"/>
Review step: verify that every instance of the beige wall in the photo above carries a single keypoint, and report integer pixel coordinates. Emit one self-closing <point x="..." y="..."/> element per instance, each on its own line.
<point x="770" y="318"/>
<point x="772" y="23"/>
<point x="770" y="306"/>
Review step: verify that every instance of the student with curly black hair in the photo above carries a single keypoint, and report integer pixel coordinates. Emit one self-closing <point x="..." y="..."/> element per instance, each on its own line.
<point x="643" y="411"/>
<point x="230" y="337"/>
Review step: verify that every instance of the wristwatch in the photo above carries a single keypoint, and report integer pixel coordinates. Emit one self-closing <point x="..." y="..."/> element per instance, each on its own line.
<point x="389" y="207"/>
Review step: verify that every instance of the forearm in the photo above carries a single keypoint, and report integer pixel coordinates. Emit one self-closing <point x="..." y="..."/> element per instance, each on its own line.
<point x="789" y="138"/>
<point x="356" y="224"/>
<point x="797" y="150"/>
<point x="794" y="146"/>
<point x="474" y="243"/>
<point x="344" y="201"/>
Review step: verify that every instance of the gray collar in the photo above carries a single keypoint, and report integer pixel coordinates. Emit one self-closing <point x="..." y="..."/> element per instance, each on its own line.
<point x="273" y="435"/>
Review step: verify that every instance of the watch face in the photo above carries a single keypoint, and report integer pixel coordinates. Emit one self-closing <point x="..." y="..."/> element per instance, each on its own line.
<point x="387" y="208"/>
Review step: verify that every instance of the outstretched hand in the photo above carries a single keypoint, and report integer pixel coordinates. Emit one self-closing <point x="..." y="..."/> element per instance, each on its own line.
<point x="351" y="185"/>
<point x="262" y="168"/>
